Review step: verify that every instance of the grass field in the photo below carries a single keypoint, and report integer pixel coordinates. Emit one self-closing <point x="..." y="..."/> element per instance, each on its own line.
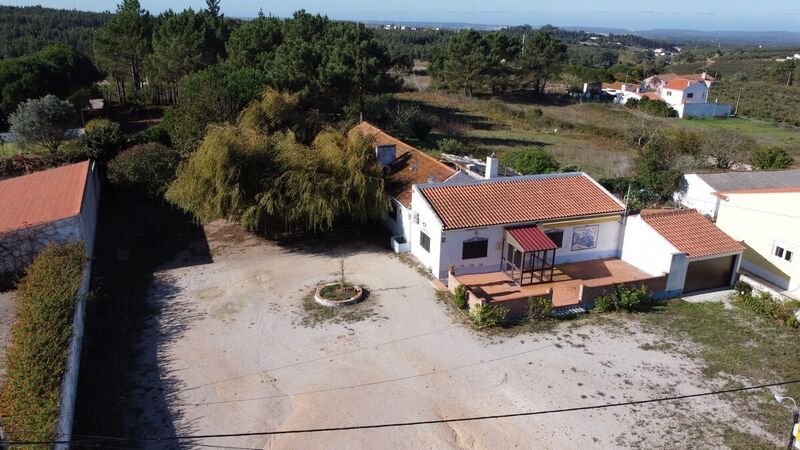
<point x="590" y="135"/>
<point x="738" y="347"/>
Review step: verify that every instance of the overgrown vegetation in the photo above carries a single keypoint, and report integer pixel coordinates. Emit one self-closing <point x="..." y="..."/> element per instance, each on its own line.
<point x="766" y="306"/>
<point x="148" y="168"/>
<point x="461" y="297"/>
<point x="258" y="172"/>
<point x="540" y="308"/>
<point x="487" y="315"/>
<point x="622" y="298"/>
<point x="771" y="158"/>
<point x="36" y="359"/>
<point x="655" y="108"/>
<point x="530" y="161"/>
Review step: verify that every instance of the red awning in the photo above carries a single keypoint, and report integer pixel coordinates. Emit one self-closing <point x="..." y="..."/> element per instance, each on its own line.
<point x="531" y="239"/>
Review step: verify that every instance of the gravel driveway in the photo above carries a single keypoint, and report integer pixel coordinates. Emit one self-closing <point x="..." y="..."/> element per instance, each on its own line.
<point x="238" y="352"/>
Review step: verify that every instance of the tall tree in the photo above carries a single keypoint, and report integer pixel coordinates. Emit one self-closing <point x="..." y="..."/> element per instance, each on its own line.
<point x="253" y="44"/>
<point x="464" y="61"/>
<point x="42" y="122"/>
<point x="540" y="60"/>
<point x="121" y="45"/>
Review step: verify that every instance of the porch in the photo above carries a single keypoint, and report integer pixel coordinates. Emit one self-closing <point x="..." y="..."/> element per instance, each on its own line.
<point x="571" y="284"/>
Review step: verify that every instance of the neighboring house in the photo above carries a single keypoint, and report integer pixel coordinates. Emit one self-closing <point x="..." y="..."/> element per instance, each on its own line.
<point x="759" y="210"/>
<point x="656" y="82"/>
<point x="689" y="98"/>
<point x="622" y="92"/>
<point x="54" y="205"/>
<point x="700" y="190"/>
<point x="405" y="166"/>
<point x="696" y="254"/>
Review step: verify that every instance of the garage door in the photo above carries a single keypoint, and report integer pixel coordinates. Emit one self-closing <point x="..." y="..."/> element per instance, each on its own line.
<point x="709" y="274"/>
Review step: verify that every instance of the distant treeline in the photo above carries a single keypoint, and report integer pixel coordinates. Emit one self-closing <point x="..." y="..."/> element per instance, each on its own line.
<point x="27" y="29"/>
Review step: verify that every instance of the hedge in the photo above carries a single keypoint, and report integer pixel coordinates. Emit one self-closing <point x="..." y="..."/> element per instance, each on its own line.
<point x="37" y="356"/>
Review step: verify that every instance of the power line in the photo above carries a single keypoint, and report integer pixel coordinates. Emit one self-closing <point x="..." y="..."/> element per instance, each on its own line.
<point x="432" y="421"/>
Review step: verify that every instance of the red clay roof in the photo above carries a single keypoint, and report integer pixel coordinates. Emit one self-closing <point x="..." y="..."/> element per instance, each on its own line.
<point x="411" y="166"/>
<point x="679" y="84"/>
<point x="531" y="238"/>
<point x="519" y="200"/>
<point x="690" y="232"/>
<point x="42" y="197"/>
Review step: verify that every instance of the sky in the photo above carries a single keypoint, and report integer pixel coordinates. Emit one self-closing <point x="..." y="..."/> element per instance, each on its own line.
<point x="741" y="15"/>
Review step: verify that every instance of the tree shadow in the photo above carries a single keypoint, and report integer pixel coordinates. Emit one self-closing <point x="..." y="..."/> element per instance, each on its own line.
<point x="122" y="391"/>
<point x="344" y="240"/>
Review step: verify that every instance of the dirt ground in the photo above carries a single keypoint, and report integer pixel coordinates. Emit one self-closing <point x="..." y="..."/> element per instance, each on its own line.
<point x="237" y="352"/>
<point x="7" y="317"/>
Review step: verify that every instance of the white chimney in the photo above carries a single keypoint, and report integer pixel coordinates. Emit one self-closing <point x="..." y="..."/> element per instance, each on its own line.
<point x="385" y="154"/>
<point x="492" y="165"/>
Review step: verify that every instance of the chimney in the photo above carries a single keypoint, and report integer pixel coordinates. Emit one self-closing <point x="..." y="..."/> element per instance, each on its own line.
<point x="492" y="164"/>
<point x="385" y="154"/>
<point x="703" y="75"/>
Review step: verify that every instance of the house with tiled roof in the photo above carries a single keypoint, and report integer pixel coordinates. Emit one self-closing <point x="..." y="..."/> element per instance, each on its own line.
<point x="54" y="205"/>
<point x="694" y="253"/>
<point x="404" y="166"/>
<point x="759" y="210"/>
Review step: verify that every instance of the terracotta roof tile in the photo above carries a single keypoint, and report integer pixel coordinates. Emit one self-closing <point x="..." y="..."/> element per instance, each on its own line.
<point x="523" y="199"/>
<point x="42" y="197"/>
<point x="679" y="84"/>
<point x="531" y="238"/>
<point x="411" y="166"/>
<point x="690" y="232"/>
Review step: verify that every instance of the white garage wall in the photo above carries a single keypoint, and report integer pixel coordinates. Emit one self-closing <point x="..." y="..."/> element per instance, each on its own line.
<point x="645" y="249"/>
<point x="699" y="195"/>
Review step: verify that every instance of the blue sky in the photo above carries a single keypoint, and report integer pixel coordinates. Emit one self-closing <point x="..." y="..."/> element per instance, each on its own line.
<point x="677" y="14"/>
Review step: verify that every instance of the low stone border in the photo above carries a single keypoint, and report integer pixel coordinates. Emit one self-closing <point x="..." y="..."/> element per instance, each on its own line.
<point x="359" y="295"/>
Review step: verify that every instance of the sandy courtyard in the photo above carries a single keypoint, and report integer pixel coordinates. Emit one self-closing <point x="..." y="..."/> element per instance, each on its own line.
<point x="237" y="352"/>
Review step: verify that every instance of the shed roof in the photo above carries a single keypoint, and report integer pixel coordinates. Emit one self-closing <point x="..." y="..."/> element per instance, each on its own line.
<point x="518" y="200"/>
<point x="531" y="238"/>
<point x="410" y="167"/>
<point x="42" y="197"/>
<point x="690" y="232"/>
<point x="741" y="181"/>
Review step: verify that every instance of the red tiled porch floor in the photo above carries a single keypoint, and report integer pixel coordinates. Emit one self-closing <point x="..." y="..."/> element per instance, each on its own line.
<point x="567" y="279"/>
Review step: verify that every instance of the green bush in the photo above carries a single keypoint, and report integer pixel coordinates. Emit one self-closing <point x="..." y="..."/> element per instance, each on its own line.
<point x="530" y="161"/>
<point x="655" y="108"/>
<point x="486" y="315"/>
<point x="104" y="139"/>
<point x="452" y="146"/>
<point x="743" y="287"/>
<point x="766" y="306"/>
<point x="622" y="298"/>
<point x="36" y="357"/>
<point x="540" y="308"/>
<point x="771" y="158"/>
<point x="149" y="168"/>
<point x="461" y="297"/>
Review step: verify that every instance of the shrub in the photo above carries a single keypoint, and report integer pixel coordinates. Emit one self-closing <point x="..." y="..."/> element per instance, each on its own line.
<point x="771" y="158"/>
<point x="42" y="122"/>
<point x="486" y="315"/>
<point x="743" y="287"/>
<point x="656" y="108"/>
<point x="452" y="146"/>
<point x="532" y="160"/>
<point x="540" y="308"/>
<point x="420" y="128"/>
<point x="36" y="357"/>
<point x="461" y="297"/>
<point x="622" y="298"/>
<point x="766" y="306"/>
<point x="149" y="168"/>
<point x="104" y="139"/>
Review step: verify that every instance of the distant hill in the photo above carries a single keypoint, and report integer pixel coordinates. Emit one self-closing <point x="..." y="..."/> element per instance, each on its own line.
<point x="771" y="38"/>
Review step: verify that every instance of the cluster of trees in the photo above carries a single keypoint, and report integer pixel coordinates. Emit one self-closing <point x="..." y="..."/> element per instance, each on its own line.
<point x="28" y="29"/>
<point x="58" y="70"/>
<point x="498" y="61"/>
<point x="331" y="65"/>
<point x="260" y="172"/>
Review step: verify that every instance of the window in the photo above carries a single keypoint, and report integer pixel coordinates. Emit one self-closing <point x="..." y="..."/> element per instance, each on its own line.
<point x="669" y="93"/>
<point x="690" y="95"/>
<point x="425" y="241"/>
<point x="475" y="248"/>
<point x="784" y="253"/>
<point x="393" y="213"/>
<point x="557" y="237"/>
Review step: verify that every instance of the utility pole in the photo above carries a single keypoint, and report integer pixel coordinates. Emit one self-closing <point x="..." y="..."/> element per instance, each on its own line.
<point x="739" y="97"/>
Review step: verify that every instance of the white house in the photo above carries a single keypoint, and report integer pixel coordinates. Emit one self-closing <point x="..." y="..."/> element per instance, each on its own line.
<point x="689" y="98"/>
<point x="54" y="205"/>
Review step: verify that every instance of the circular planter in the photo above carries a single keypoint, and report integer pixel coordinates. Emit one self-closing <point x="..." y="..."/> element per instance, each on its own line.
<point x="357" y="297"/>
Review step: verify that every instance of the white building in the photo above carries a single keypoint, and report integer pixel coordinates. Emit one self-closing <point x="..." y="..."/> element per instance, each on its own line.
<point x="54" y="205"/>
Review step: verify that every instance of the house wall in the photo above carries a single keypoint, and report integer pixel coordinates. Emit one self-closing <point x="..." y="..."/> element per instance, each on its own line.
<point x="608" y="238"/>
<point x="423" y="219"/>
<point x="646" y="249"/>
<point x="400" y="225"/>
<point x="698" y="195"/>
<point x="676" y="97"/>
<point x="18" y="248"/>
<point x="89" y="205"/>
<point x="703" y="110"/>
<point x="760" y="221"/>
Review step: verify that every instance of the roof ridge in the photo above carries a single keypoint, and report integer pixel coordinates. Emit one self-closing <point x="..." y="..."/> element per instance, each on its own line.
<point x="665" y="212"/>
